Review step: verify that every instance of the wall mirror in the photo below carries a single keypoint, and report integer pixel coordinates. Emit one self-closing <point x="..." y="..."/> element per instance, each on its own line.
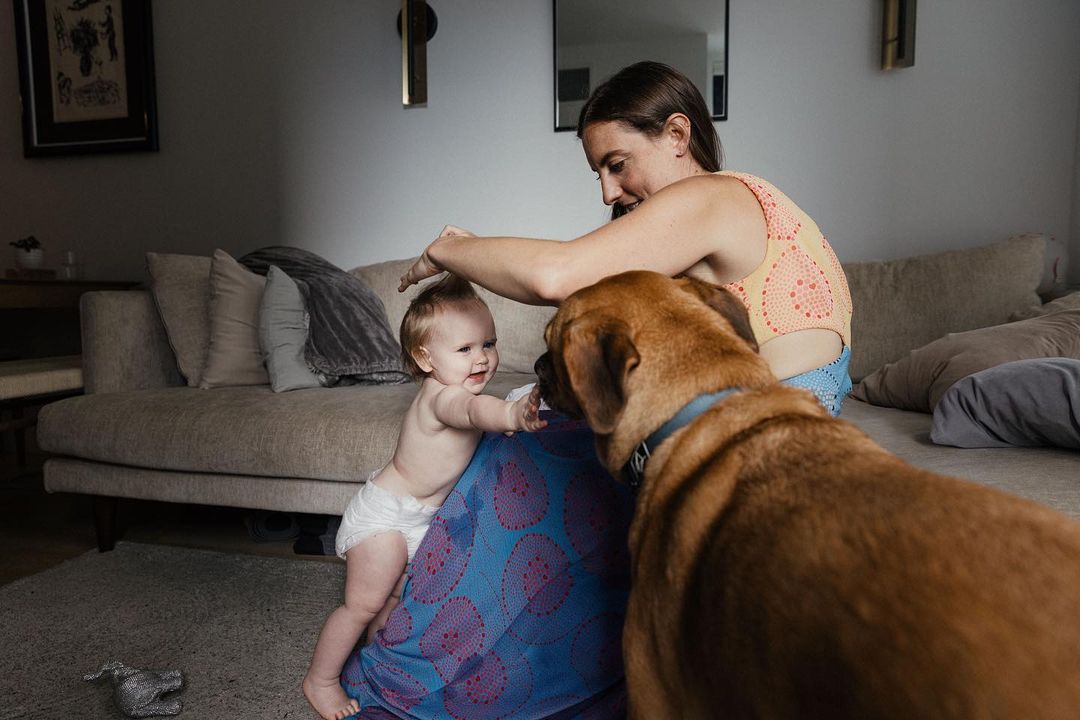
<point x="596" y="38"/>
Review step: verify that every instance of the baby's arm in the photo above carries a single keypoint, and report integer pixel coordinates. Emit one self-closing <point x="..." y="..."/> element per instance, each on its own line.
<point x="458" y="408"/>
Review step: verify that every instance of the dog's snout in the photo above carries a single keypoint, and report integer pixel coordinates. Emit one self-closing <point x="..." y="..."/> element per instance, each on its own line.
<point x="545" y="374"/>
<point x="542" y="367"/>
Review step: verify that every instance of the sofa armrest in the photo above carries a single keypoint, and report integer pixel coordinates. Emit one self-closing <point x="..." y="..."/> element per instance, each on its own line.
<point x="124" y="346"/>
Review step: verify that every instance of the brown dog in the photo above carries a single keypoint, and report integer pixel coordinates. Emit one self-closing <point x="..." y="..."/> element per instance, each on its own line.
<point x="785" y="566"/>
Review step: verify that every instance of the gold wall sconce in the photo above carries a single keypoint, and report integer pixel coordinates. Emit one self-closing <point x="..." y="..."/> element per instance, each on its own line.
<point x="898" y="35"/>
<point x="417" y="24"/>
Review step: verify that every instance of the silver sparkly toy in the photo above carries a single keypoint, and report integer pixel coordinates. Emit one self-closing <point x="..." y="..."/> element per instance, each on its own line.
<point x="138" y="692"/>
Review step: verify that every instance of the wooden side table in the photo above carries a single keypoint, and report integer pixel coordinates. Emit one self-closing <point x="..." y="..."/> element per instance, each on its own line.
<point x="40" y="318"/>
<point x="38" y="294"/>
<point x="40" y="345"/>
<point x="25" y="383"/>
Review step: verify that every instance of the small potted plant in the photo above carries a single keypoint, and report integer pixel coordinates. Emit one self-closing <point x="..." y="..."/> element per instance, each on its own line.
<point x="28" y="253"/>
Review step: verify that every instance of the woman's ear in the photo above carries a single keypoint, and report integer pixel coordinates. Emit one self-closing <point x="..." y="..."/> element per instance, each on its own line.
<point x="423" y="358"/>
<point x="677" y="128"/>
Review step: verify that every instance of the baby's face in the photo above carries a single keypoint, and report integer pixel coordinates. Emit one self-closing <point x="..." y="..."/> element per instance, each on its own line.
<point x="461" y="349"/>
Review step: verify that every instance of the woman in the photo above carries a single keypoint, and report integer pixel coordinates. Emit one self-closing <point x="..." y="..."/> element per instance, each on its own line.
<point x="648" y="135"/>
<point x="514" y="606"/>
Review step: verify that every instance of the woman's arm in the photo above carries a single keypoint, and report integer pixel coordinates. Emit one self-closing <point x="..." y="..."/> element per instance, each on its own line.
<point x="699" y="217"/>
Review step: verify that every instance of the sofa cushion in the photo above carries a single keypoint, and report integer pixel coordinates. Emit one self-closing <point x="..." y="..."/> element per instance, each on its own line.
<point x="181" y="288"/>
<point x="918" y="381"/>
<point x="233" y="356"/>
<point x="519" y="327"/>
<point x="903" y="304"/>
<point x="1026" y="403"/>
<point x="283" y="331"/>
<point x="318" y="433"/>
<point x="1044" y="474"/>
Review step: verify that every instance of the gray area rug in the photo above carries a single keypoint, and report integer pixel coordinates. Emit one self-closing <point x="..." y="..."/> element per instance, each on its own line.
<point x="241" y="628"/>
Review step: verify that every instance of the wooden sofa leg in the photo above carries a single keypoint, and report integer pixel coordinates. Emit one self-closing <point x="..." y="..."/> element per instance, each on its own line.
<point x="105" y="521"/>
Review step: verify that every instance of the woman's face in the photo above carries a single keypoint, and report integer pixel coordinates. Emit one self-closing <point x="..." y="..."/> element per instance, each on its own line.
<point x="630" y="165"/>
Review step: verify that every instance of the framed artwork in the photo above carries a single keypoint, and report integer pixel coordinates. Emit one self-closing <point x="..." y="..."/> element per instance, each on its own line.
<point x="86" y="76"/>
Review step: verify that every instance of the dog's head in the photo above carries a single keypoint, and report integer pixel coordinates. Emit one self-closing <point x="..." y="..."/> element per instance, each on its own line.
<point x="627" y="350"/>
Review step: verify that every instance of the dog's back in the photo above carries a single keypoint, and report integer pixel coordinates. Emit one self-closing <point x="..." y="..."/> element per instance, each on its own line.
<point x="837" y="581"/>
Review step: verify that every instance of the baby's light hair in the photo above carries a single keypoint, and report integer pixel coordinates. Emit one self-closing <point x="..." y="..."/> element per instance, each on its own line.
<point x="419" y="319"/>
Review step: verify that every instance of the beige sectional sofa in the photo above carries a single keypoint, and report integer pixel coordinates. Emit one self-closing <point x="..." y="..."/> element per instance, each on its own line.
<point x="140" y="432"/>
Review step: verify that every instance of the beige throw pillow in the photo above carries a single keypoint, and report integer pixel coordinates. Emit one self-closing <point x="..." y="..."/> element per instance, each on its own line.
<point x="180" y="285"/>
<point x="919" y="380"/>
<point x="904" y="304"/>
<point x="233" y="357"/>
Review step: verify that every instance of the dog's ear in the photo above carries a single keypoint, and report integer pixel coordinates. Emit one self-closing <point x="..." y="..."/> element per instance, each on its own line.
<point x="599" y="358"/>
<point x="723" y="302"/>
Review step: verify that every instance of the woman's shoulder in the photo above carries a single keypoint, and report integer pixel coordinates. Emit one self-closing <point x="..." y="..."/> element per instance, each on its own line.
<point x="709" y="187"/>
<point x="720" y="194"/>
<point x="757" y="184"/>
<point x="764" y="192"/>
<point x="719" y="216"/>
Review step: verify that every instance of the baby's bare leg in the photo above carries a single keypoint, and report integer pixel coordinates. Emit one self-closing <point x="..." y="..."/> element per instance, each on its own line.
<point x="372" y="569"/>
<point x="391" y="602"/>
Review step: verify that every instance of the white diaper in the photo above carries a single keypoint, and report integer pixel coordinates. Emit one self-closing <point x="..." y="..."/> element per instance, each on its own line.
<point x="374" y="510"/>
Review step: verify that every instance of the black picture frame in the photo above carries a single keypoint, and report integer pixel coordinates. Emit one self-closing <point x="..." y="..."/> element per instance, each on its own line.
<point x="86" y="76"/>
<point x="642" y="21"/>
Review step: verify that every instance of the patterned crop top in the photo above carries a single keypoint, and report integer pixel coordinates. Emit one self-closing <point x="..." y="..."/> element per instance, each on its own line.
<point x="800" y="284"/>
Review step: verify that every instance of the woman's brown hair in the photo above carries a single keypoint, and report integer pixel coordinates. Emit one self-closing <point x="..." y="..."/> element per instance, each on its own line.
<point x="643" y="96"/>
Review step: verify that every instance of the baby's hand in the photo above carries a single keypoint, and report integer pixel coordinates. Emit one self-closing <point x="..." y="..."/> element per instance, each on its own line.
<point x="526" y="412"/>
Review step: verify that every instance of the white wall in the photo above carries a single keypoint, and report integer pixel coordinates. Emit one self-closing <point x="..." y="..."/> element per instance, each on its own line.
<point x="284" y="125"/>
<point x="1073" y="271"/>
<point x="973" y="143"/>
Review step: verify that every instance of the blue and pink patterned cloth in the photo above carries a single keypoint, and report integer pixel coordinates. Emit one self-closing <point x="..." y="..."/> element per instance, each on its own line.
<point x="514" y="603"/>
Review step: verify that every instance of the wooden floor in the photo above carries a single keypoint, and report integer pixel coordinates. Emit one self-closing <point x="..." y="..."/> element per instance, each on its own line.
<point x="39" y="530"/>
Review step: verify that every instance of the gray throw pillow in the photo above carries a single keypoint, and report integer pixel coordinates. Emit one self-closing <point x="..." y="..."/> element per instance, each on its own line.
<point x="1027" y="403"/>
<point x="348" y="334"/>
<point x="283" y="331"/>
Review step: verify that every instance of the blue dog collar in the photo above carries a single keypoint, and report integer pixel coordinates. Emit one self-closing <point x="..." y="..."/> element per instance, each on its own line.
<point x="635" y="466"/>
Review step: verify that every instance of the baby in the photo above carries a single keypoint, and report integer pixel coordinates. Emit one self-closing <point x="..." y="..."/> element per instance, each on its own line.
<point x="448" y="344"/>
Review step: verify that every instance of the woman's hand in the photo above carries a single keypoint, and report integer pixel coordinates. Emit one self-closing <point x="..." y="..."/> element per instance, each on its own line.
<point x="425" y="266"/>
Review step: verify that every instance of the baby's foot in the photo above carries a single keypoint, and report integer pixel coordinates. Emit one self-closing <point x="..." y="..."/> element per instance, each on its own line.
<point x="329" y="700"/>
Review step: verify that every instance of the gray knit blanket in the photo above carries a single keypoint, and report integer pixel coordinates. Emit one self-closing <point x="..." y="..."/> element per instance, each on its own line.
<point x="349" y="337"/>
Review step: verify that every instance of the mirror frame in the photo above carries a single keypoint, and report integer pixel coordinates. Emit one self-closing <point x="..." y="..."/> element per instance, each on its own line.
<point x="555" y="63"/>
